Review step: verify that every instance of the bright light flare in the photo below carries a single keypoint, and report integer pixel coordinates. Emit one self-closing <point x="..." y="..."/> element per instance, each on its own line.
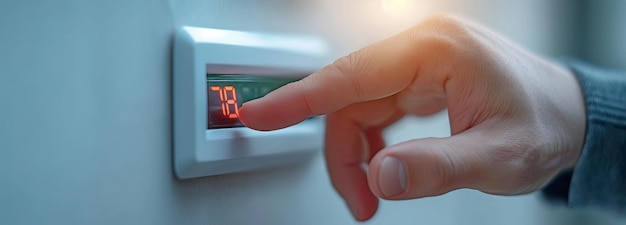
<point x="396" y="6"/>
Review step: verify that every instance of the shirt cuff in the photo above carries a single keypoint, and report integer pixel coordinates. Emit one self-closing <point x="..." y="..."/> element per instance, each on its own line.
<point x="599" y="177"/>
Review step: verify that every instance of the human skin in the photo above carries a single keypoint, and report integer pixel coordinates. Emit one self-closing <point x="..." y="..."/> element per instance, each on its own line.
<point x="516" y="119"/>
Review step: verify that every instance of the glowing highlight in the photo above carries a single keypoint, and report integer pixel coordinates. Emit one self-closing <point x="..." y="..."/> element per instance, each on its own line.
<point x="396" y="6"/>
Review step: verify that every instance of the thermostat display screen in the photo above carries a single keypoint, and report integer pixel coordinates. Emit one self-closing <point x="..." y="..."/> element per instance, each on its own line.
<point x="226" y="93"/>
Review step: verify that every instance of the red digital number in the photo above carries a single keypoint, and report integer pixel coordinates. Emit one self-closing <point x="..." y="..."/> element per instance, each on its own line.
<point x="228" y="101"/>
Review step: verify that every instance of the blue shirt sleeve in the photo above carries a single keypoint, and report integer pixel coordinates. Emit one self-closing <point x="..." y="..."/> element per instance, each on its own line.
<point x="599" y="177"/>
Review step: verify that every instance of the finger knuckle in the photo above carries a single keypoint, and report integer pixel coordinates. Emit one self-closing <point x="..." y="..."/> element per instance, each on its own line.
<point x="306" y="98"/>
<point x="445" y="172"/>
<point x="448" y="35"/>
<point x="443" y="19"/>
<point x="348" y="68"/>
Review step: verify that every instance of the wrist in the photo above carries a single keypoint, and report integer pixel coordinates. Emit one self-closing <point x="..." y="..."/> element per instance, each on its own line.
<point x="575" y="113"/>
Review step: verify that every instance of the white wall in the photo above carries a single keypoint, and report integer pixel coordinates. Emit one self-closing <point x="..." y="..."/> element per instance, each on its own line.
<point x="607" y="33"/>
<point x="85" y="118"/>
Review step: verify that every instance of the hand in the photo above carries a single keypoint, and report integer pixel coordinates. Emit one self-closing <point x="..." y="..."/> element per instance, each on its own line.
<point x="516" y="119"/>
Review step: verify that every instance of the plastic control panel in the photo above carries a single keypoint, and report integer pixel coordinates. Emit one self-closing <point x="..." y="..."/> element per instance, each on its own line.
<point x="215" y="71"/>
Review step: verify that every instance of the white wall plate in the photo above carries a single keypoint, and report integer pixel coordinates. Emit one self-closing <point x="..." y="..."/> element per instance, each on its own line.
<point x="198" y="52"/>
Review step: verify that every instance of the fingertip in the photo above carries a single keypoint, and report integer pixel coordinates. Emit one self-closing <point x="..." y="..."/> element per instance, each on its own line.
<point x="364" y="207"/>
<point x="351" y="183"/>
<point x="392" y="176"/>
<point x="280" y="108"/>
<point x="422" y="168"/>
<point x="373" y="175"/>
<point x="247" y="118"/>
<point x="390" y="173"/>
<point x="266" y="114"/>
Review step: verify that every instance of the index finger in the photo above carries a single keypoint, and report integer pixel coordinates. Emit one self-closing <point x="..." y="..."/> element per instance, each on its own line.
<point x="375" y="72"/>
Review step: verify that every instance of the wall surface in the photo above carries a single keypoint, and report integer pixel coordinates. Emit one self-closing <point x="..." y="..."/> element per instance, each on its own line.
<point x="85" y="115"/>
<point x="604" y="41"/>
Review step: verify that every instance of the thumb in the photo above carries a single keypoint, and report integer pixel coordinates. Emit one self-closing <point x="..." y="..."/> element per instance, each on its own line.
<point x="428" y="167"/>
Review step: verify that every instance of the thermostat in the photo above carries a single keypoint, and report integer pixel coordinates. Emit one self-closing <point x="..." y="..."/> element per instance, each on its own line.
<point x="215" y="72"/>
